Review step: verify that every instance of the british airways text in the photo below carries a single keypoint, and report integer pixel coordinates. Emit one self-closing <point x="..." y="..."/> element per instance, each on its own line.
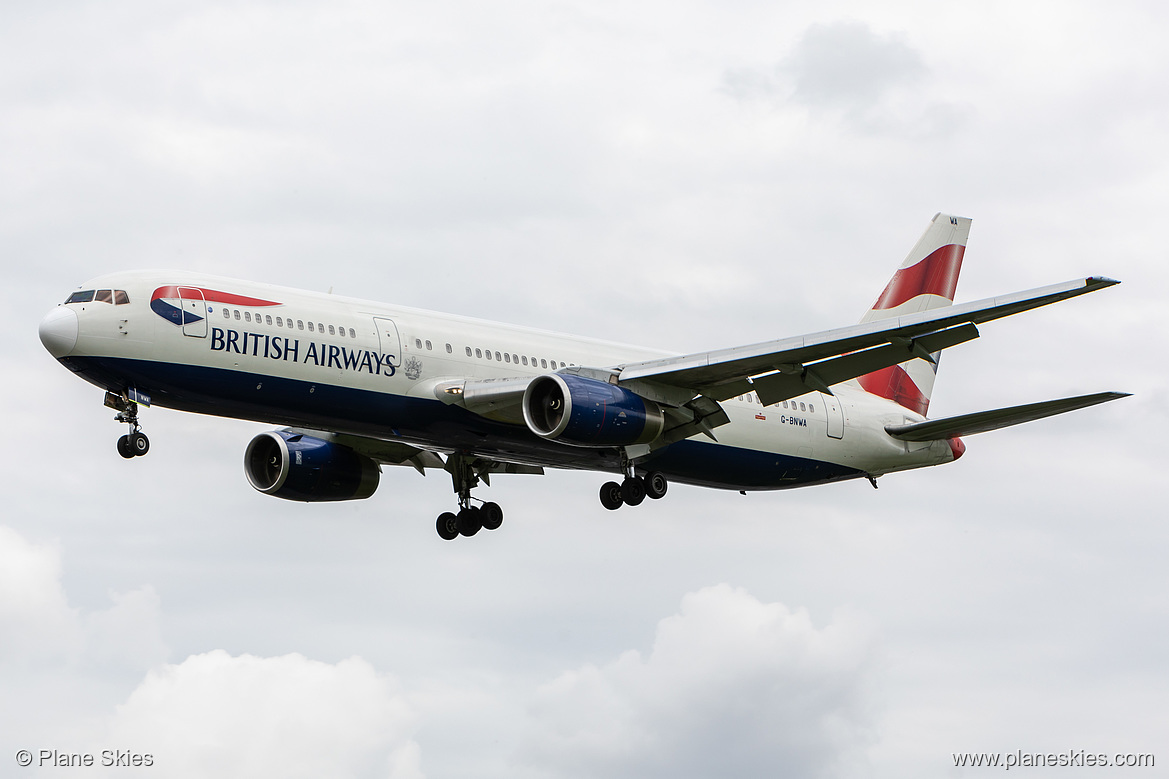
<point x="289" y="349"/>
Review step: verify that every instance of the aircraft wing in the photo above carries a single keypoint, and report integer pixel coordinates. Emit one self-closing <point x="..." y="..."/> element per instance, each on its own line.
<point x="382" y="452"/>
<point x="983" y="421"/>
<point x="786" y="368"/>
<point x="396" y="453"/>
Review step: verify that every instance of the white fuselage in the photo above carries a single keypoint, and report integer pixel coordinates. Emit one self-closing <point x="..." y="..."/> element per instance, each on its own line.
<point x="356" y="367"/>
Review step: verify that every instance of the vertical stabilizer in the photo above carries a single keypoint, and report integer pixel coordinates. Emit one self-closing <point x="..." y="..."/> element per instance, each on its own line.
<point x="927" y="279"/>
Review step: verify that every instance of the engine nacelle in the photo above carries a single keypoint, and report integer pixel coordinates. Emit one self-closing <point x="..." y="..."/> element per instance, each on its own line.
<point x="587" y="412"/>
<point x="299" y="467"/>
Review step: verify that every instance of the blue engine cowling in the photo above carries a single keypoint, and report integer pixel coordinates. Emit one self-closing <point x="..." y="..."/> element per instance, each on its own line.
<point x="587" y="412"/>
<point x="299" y="467"/>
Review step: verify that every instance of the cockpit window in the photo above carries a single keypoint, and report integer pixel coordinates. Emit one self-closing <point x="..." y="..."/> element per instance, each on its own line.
<point x="104" y="296"/>
<point x="121" y="298"/>
<point x="85" y="296"/>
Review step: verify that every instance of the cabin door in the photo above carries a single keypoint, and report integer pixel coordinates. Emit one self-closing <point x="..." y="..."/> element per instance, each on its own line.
<point x="194" y="312"/>
<point x="389" y="344"/>
<point x="835" y="415"/>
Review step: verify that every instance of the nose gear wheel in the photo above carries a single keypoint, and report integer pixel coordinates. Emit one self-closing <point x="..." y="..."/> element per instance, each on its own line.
<point x="135" y="443"/>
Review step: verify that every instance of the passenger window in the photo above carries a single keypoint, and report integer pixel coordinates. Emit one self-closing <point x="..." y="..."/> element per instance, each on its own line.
<point x="497" y="357"/>
<point x="237" y="314"/>
<point x="104" y="296"/>
<point x="525" y="359"/>
<point x="449" y="350"/>
<point x="310" y="327"/>
<point x="279" y="321"/>
<point x="802" y="407"/>
<point x="785" y="404"/>
<point x="121" y="298"/>
<point x="506" y="357"/>
<point x="226" y="314"/>
<point x="543" y="363"/>
<point x="300" y="324"/>
<point x="469" y="351"/>
<point x="418" y="343"/>
<point x="488" y="354"/>
<point x="332" y="331"/>
<point x="320" y="328"/>
<point x="561" y="365"/>
<point x="749" y="400"/>
<point x="478" y="352"/>
<point x="428" y="347"/>
<point x="81" y="297"/>
<point x="352" y="334"/>
<point x="267" y="320"/>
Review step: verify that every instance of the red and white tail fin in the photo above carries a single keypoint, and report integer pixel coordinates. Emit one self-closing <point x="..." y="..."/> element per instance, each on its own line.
<point x="927" y="279"/>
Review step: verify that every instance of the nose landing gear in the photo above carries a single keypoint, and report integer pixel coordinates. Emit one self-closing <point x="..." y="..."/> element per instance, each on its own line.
<point x="135" y="443"/>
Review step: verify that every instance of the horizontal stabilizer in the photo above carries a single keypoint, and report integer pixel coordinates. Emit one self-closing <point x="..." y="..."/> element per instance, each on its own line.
<point x="968" y="424"/>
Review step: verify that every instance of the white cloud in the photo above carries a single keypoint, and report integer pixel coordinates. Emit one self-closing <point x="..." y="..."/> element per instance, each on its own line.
<point x="36" y="622"/>
<point x="732" y="687"/>
<point x="40" y="628"/>
<point x="219" y="715"/>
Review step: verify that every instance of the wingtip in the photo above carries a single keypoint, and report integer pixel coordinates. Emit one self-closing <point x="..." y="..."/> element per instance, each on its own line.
<point x="1100" y="282"/>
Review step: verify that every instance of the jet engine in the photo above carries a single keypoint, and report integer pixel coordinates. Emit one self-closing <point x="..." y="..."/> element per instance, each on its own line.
<point x="294" y="466"/>
<point x="588" y="412"/>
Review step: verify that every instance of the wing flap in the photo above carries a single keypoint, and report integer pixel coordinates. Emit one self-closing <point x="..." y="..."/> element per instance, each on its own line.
<point x="708" y="371"/>
<point x="383" y="452"/>
<point x="983" y="421"/>
<point x="794" y="380"/>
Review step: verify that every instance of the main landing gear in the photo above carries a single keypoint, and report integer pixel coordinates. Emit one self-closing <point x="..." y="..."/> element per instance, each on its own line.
<point x="135" y="443"/>
<point x="633" y="490"/>
<point x="470" y="519"/>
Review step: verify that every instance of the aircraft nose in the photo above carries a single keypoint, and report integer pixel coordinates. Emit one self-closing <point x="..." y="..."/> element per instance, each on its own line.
<point x="58" y="331"/>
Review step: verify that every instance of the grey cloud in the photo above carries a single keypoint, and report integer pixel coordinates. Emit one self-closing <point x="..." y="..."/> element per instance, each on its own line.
<point x="848" y="65"/>
<point x="874" y="83"/>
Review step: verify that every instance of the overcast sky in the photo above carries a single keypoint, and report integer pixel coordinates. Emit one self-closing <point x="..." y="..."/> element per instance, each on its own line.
<point x="683" y="175"/>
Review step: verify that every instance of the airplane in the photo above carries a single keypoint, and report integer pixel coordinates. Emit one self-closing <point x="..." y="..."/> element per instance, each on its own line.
<point x="356" y="385"/>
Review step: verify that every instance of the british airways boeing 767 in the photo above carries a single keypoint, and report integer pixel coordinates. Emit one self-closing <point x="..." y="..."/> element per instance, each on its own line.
<point x="356" y="385"/>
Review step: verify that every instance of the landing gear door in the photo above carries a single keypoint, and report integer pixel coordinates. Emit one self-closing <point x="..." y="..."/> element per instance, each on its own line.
<point x="835" y="415"/>
<point x="389" y="344"/>
<point x="194" y="312"/>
